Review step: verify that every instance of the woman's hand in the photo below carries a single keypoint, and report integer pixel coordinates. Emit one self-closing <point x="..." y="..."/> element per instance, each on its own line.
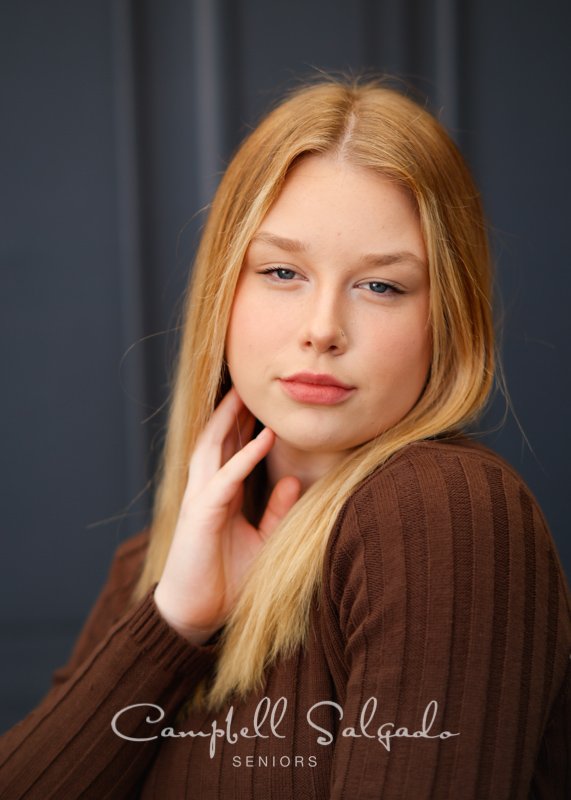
<point x="213" y="543"/>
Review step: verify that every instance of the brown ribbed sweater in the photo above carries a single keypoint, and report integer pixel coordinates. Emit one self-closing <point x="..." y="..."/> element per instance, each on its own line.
<point x="443" y="598"/>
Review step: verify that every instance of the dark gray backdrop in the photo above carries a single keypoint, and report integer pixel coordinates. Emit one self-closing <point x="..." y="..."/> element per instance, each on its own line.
<point x="117" y="119"/>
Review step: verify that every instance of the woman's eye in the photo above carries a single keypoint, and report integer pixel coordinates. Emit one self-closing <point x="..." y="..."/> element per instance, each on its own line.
<point x="379" y="287"/>
<point x="283" y="273"/>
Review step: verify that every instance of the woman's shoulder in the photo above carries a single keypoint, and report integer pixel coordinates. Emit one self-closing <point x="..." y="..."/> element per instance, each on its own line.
<point x="444" y="492"/>
<point x="441" y="509"/>
<point x="134" y="547"/>
<point x="128" y="561"/>
<point x="459" y="453"/>
<point x="445" y="474"/>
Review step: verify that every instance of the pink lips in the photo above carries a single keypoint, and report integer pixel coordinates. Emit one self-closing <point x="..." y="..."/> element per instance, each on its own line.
<point x="322" y="389"/>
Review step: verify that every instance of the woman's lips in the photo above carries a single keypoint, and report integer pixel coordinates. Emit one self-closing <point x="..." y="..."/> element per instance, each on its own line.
<point x="313" y="393"/>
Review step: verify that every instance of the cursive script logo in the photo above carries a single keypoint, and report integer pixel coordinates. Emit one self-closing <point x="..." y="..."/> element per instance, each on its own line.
<point x="384" y="732"/>
<point x="268" y="718"/>
<point x="264" y="712"/>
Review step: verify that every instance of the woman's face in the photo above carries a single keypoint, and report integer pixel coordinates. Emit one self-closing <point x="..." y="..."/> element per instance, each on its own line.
<point x="335" y="285"/>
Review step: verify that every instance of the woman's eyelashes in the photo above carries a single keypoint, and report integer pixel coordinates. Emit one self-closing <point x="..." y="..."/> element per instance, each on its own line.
<point x="279" y="272"/>
<point x="383" y="288"/>
<point x="285" y="275"/>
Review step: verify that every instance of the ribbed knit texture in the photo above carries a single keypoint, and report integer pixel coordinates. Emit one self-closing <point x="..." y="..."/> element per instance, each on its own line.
<point x="441" y="585"/>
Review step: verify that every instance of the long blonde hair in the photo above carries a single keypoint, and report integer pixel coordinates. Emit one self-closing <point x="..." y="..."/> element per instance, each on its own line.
<point x="371" y="125"/>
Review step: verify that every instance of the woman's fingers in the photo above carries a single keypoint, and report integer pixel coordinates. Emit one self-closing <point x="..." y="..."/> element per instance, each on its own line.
<point x="237" y="502"/>
<point x="239" y="435"/>
<point x="285" y="494"/>
<point x="223" y="418"/>
<point x="210" y="451"/>
<point x="204" y="564"/>
<point x="231" y="475"/>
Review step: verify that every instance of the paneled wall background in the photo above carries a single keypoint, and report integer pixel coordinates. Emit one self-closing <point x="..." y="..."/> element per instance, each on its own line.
<point x="117" y="120"/>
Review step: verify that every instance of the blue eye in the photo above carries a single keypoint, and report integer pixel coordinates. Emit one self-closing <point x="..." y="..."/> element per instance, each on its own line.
<point x="281" y="272"/>
<point x="378" y="287"/>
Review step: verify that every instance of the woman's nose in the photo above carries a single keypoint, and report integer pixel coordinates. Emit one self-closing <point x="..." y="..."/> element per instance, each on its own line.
<point x="323" y="325"/>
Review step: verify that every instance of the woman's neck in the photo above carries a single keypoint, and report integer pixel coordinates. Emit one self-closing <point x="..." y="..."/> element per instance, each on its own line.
<point x="283" y="459"/>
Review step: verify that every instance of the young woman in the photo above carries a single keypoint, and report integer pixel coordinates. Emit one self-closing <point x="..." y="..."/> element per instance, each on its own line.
<point x="341" y="595"/>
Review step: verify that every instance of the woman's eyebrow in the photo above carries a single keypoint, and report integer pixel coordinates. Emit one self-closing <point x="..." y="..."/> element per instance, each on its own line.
<point x="291" y="245"/>
<point x="385" y="259"/>
<point x="370" y="259"/>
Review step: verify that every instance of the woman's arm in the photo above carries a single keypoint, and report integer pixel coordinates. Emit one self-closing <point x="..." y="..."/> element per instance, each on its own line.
<point x="448" y="606"/>
<point x="66" y="747"/>
<point x="157" y="651"/>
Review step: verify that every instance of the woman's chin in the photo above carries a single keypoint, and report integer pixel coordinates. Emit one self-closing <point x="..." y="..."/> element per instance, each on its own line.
<point x="311" y="441"/>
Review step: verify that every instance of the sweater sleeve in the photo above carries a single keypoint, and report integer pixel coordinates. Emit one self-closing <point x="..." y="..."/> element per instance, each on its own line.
<point x="97" y="730"/>
<point x="450" y="636"/>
